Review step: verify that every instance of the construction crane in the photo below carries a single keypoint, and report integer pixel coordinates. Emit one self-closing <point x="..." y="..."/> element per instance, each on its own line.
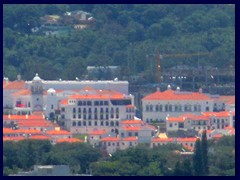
<point x="159" y="57"/>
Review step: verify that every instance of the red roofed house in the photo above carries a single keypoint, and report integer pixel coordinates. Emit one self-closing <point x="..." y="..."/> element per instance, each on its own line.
<point x="159" y="105"/>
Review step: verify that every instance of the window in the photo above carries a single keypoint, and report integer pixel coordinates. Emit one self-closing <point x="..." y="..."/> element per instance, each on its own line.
<point x="79" y="116"/>
<point x="84" y="103"/>
<point x="84" y="123"/>
<point x="170" y="125"/>
<point x="62" y="116"/>
<point x="84" y="117"/>
<point x="157" y="108"/>
<point x="101" y="123"/>
<point x="74" y="116"/>
<point x="135" y="134"/>
<point x="89" y="110"/>
<point x="80" y="103"/>
<point x="117" y="110"/>
<point x="95" y="110"/>
<point x="95" y="116"/>
<point x="101" y="117"/>
<point x="73" y="123"/>
<point x="84" y="110"/>
<point x="147" y="108"/>
<point x="101" y="110"/>
<point x="129" y="134"/>
<point x="79" y="110"/>
<point x="207" y="109"/>
<point x="51" y="106"/>
<point x="89" y="103"/>
<point x="111" y="123"/>
<point x="170" y="107"/>
<point x="106" y="110"/>
<point x="106" y="123"/>
<point x="90" y="123"/>
<point x="112" y="116"/>
<point x="151" y="108"/>
<point x="176" y="108"/>
<point x="101" y="103"/>
<point x="106" y="116"/>
<point x="95" y="123"/>
<point x="166" y="107"/>
<point x="106" y="103"/>
<point x="79" y="123"/>
<point x="117" y="123"/>
<point x="117" y="116"/>
<point x="185" y="108"/>
<point x="96" y="103"/>
<point x="89" y="116"/>
<point x="63" y="109"/>
<point x="122" y="134"/>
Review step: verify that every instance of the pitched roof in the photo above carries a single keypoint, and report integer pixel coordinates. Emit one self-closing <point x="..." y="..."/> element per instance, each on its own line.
<point x="175" y="119"/>
<point x="175" y="95"/>
<point x="227" y="99"/>
<point x="69" y="140"/>
<point x="23" y="92"/>
<point x="15" y="138"/>
<point x="131" y="128"/>
<point x="133" y="138"/>
<point x="20" y="131"/>
<point x="217" y="114"/>
<point x="39" y="137"/>
<point x="60" y="132"/>
<point x="192" y="139"/>
<point x="14" y="85"/>
<point x="22" y="117"/>
<point x="98" y="132"/>
<point x="132" y="122"/>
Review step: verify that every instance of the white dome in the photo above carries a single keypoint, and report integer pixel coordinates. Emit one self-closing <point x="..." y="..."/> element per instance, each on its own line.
<point x="51" y="90"/>
<point x="37" y="78"/>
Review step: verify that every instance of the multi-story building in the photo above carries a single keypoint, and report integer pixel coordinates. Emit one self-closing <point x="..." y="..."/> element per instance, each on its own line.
<point x="93" y="109"/>
<point x="157" y="106"/>
<point x="205" y="121"/>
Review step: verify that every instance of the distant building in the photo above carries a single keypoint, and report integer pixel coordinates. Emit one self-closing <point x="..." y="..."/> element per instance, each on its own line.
<point x="47" y="170"/>
<point x="157" y="106"/>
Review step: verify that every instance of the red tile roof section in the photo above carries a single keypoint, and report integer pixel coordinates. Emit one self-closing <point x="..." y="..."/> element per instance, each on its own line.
<point x="23" y="92"/>
<point x="69" y="140"/>
<point x="60" y="132"/>
<point x="132" y="122"/>
<point x="227" y="99"/>
<point x="174" y="95"/>
<point x="130" y="139"/>
<point x="98" y="132"/>
<point x="131" y="128"/>
<point x="108" y="139"/>
<point x="14" y="85"/>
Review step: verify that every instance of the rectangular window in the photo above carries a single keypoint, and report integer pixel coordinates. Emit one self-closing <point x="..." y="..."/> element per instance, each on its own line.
<point x="84" y="103"/>
<point x="106" y="103"/>
<point x="106" y="116"/>
<point x="74" y="116"/>
<point x="95" y="123"/>
<point x="79" y="116"/>
<point x="96" y="103"/>
<point x="63" y="109"/>
<point x="90" y="123"/>
<point x="79" y="103"/>
<point x="117" y="116"/>
<point x="79" y="110"/>
<point x="89" y="103"/>
<point x="101" y="123"/>
<point x="101" y="103"/>
<point x="74" y="110"/>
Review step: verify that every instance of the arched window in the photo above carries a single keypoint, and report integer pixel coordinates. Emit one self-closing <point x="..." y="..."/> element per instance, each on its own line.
<point x="160" y="108"/>
<point x="157" y="108"/>
<point x="117" y="123"/>
<point x="151" y="108"/>
<point x="166" y="107"/>
<point x="176" y="108"/>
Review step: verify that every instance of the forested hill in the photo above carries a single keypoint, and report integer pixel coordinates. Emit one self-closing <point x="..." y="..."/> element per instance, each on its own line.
<point x="122" y="35"/>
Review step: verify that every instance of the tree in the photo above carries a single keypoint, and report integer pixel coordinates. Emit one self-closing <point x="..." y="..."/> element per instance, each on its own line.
<point x="197" y="159"/>
<point x="204" y="151"/>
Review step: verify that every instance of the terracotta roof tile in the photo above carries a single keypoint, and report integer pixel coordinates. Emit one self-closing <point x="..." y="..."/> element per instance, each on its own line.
<point x="40" y="137"/>
<point x="130" y="139"/>
<point x="69" y="140"/>
<point x="175" y="119"/>
<point x="98" y="132"/>
<point x="227" y="99"/>
<point x="174" y="95"/>
<point x="132" y="122"/>
<point x="131" y="128"/>
<point x="14" y="85"/>
<point x="60" y="132"/>
<point x="23" y="92"/>
<point x="107" y="139"/>
<point x="193" y="139"/>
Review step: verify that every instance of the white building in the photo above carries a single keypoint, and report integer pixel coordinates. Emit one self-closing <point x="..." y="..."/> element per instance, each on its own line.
<point x="93" y="109"/>
<point x="157" y="106"/>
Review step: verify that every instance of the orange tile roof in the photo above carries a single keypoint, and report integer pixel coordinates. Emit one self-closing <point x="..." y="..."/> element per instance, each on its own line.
<point x="64" y="102"/>
<point x="163" y="140"/>
<point x="131" y="128"/>
<point x="132" y="122"/>
<point x="20" y="131"/>
<point x="106" y="139"/>
<point x="60" y="132"/>
<point x="229" y="128"/>
<point x="217" y="114"/>
<point x="207" y="131"/>
<point x="22" y="117"/>
<point x="198" y="117"/>
<point x="193" y="139"/>
<point x="14" y="85"/>
<point x="98" y="132"/>
<point x="175" y="119"/>
<point x="69" y="140"/>
<point x="16" y="138"/>
<point x="130" y="106"/>
<point x="217" y="136"/>
<point x="130" y="139"/>
<point x="174" y="95"/>
<point x="40" y="137"/>
<point x="23" y="92"/>
<point x="227" y="99"/>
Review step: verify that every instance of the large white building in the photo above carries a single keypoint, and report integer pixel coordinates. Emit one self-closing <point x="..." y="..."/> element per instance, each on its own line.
<point x="93" y="109"/>
<point x="157" y="106"/>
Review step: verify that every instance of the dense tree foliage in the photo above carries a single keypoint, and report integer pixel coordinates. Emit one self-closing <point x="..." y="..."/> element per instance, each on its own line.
<point x="122" y="35"/>
<point x="139" y="160"/>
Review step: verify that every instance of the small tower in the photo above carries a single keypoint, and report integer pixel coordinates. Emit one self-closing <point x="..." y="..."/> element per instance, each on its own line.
<point x="37" y="93"/>
<point x="51" y="102"/>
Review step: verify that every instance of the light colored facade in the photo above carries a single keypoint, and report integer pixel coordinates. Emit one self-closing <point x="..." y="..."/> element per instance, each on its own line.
<point x="206" y="121"/>
<point x="159" y="105"/>
<point x="93" y="109"/>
